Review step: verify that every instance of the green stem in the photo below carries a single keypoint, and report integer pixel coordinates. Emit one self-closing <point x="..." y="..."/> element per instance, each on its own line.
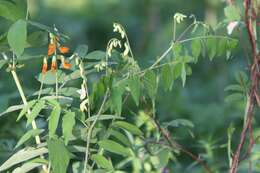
<point x="90" y="131"/>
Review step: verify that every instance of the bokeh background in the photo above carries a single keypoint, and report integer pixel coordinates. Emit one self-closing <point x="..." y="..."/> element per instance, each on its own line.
<point x="149" y="26"/>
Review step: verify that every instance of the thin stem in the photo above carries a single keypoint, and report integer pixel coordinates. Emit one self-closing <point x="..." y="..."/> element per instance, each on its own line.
<point x="27" y="11"/>
<point x="40" y="91"/>
<point x="90" y="130"/>
<point x="56" y="84"/>
<point x="174" y="29"/>
<point x="34" y="125"/>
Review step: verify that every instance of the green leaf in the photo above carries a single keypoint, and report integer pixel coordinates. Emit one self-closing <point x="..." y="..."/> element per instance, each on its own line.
<point x="103" y="117"/>
<point x="177" y="48"/>
<point x="211" y="48"/>
<point x="167" y="77"/>
<point x="221" y="47"/>
<point x="50" y="77"/>
<point x="129" y="127"/>
<point x="35" y="111"/>
<point x="234" y="87"/>
<point x="179" y="122"/>
<point x="114" y="147"/>
<point x="241" y="77"/>
<point x="122" y="138"/>
<point x="59" y="156"/>
<point x="17" y="37"/>
<point x="196" y="49"/>
<point x="150" y="84"/>
<point x="26" y="167"/>
<point x="96" y="55"/>
<point x="12" y="109"/>
<point x="25" y="109"/>
<point x="161" y="159"/>
<point x="234" y="97"/>
<point x="81" y="50"/>
<point x="116" y="99"/>
<point x="102" y="162"/>
<point x="21" y="156"/>
<point x="68" y="122"/>
<point x="232" y="13"/>
<point x="183" y="74"/>
<point x="177" y="68"/>
<point x="54" y="120"/>
<point x="135" y="88"/>
<point x="38" y="39"/>
<point x="29" y="134"/>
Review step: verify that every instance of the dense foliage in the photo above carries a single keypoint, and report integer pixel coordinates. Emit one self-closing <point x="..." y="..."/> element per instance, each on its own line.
<point x="99" y="111"/>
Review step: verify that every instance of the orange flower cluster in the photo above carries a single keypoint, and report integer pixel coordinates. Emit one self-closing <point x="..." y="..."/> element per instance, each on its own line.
<point x="52" y="49"/>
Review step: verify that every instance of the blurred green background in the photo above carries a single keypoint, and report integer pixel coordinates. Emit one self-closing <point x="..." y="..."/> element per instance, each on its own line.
<point x="149" y="27"/>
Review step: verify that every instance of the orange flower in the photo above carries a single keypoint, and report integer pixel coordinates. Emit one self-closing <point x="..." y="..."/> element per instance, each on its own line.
<point x="53" y="65"/>
<point x="51" y="49"/>
<point x="44" y="66"/>
<point x="64" y="49"/>
<point x="65" y="64"/>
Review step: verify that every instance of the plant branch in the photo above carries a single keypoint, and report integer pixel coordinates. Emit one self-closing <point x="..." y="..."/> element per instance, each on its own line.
<point x="254" y="70"/>
<point x="174" y="144"/>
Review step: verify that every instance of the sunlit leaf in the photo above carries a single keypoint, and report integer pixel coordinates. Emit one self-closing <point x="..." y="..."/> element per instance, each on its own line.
<point x="23" y="155"/>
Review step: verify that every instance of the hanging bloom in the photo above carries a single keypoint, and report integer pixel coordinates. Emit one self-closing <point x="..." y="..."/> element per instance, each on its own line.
<point x="45" y="65"/>
<point x="83" y="106"/>
<point x="113" y="43"/>
<point x="178" y="17"/>
<point x="51" y="49"/>
<point x="126" y="51"/>
<point x="63" y="49"/>
<point x="53" y="64"/>
<point x="82" y="92"/>
<point x="118" y="28"/>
